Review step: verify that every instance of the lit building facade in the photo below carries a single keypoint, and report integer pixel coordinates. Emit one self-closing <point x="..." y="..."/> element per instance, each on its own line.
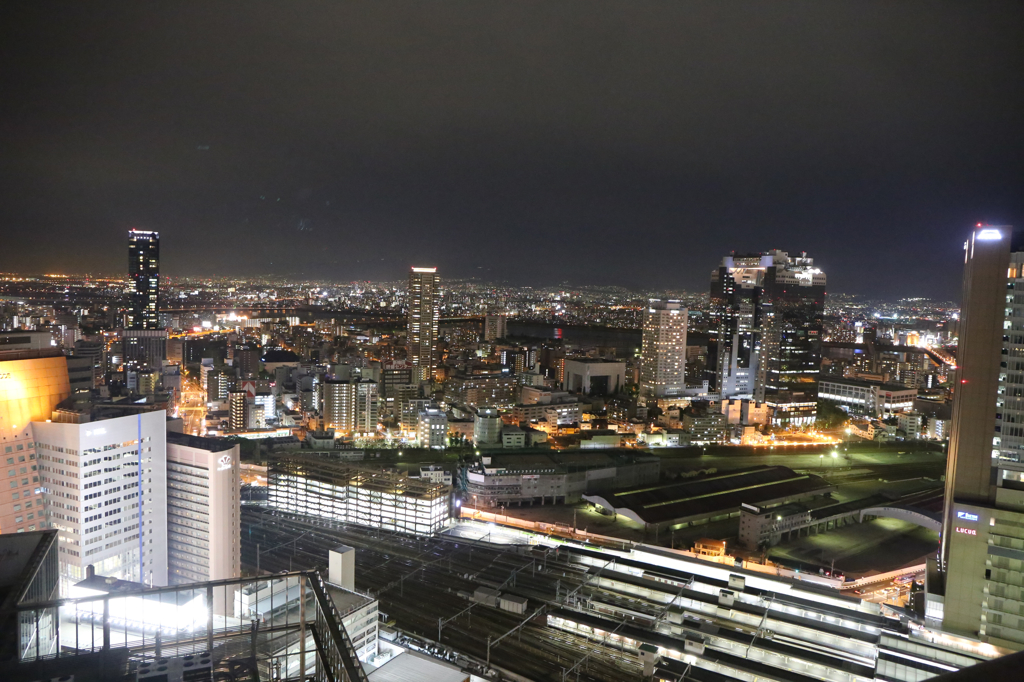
<point x="104" y="487"/>
<point x="495" y="327"/>
<point x="351" y="406"/>
<point x="432" y="428"/>
<point x="662" y="372"/>
<point x="376" y="499"/>
<point x="424" y="313"/>
<point x="981" y="589"/>
<point x="203" y="509"/>
<point x="144" y="280"/>
<point x="32" y="383"/>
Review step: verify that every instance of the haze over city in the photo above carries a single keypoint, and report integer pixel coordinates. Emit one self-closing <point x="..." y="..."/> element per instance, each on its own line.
<point x="513" y="342"/>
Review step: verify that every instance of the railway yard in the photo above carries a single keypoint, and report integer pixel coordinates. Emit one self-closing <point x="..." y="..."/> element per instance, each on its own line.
<point x="592" y="613"/>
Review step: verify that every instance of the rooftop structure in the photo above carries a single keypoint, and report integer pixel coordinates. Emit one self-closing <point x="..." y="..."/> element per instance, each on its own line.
<point x="713" y="497"/>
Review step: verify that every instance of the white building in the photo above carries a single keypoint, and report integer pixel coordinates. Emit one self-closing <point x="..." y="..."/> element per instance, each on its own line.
<point x="868" y="398"/>
<point x="203" y="509"/>
<point x="432" y="428"/>
<point x="513" y="437"/>
<point x="664" y="349"/>
<point x="351" y="406"/>
<point x="588" y="375"/>
<point x="911" y="424"/>
<point x="105" y="486"/>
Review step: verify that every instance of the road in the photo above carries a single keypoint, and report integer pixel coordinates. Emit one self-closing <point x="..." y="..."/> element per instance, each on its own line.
<point x="193" y="405"/>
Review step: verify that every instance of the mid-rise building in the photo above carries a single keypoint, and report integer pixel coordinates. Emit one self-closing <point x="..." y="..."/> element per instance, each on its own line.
<point x="105" y="489"/>
<point x="424" y="314"/>
<point x="496" y="388"/>
<point x="662" y="372"/>
<point x="32" y="383"/>
<point x="593" y="376"/>
<point x="144" y="280"/>
<point x="487" y="426"/>
<point x="203" y="509"/>
<point x="495" y="327"/>
<point x="977" y="588"/>
<point x="351" y="406"/>
<point x="432" y="428"/>
<point x="869" y="398"/>
<point x="378" y="499"/>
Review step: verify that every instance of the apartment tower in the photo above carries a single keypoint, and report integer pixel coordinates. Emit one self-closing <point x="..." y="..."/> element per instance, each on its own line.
<point x="662" y="372"/>
<point x="424" y="310"/>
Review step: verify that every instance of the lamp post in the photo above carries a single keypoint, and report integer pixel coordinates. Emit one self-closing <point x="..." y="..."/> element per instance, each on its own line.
<point x="821" y="461"/>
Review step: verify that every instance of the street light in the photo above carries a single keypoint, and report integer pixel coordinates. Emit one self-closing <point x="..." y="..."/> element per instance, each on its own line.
<point x="821" y="461"/>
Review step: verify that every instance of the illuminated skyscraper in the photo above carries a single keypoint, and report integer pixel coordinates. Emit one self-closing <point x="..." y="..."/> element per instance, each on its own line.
<point x="662" y="372"/>
<point x="982" y="551"/>
<point x="766" y="325"/>
<point x="144" y="276"/>
<point x="424" y="310"/>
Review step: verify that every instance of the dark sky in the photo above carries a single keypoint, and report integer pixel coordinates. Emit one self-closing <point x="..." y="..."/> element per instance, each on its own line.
<point x="630" y="143"/>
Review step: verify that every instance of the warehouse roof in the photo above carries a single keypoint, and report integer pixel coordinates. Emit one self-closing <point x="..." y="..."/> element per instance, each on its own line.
<point x="711" y="495"/>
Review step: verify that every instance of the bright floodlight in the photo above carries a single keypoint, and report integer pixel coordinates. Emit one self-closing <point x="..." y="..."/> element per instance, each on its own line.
<point x="989" y="234"/>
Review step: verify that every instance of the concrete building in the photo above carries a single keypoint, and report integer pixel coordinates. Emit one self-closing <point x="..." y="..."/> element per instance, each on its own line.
<point x="432" y="428"/>
<point x="105" y="490"/>
<point x="377" y="499"/>
<point x="238" y="411"/>
<point x="495" y="388"/>
<point x="513" y="437"/>
<point x="662" y="372"/>
<point x="561" y="413"/>
<point x="552" y="478"/>
<point x="495" y="327"/>
<point x="424" y="311"/>
<point x="32" y="384"/>
<point x="911" y="424"/>
<point x="203" y="509"/>
<point x="743" y="411"/>
<point x="870" y="398"/>
<point x="977" y="587"/>
<point x="26" y="340"/>
<point x="592" y="376"/>
<point x="705" y="425"/>
<point x="351" y="406"/>
<point x="487" y="426"/>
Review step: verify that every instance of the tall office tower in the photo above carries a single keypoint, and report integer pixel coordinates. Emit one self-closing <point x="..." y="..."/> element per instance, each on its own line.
<point x="105" y="490"/>
<point x="351" y="406"/>
<point x="982" y="551"/>
<point x="495" y="327"/>
<point x="736" y="289"/>
<point x="792" y="321"/>
<point x="662" y="372"/>
<point x="144" y="276"/>
<point x="238" y="414"/>
<point x="203" y="509"/>
<point x="32" y="383"/>
<point x="424" y="311"/>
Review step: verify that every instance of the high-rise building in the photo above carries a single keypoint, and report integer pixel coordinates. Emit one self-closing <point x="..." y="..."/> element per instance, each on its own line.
<point x="105" y="487"/>
<point x="662" y="372"/>
<point x="736" y="289"/>
<point x="32" y="383"/>
<point x="981" y="558"/>
<point x="238" y="410"/>
<point x="203" y="509"/>
<point x="766" y="325"/>
<point x="424" y="312"/>
<point x="144" y="280"/>
<point x="495" y="327"/>
<point x="432" y="428"/>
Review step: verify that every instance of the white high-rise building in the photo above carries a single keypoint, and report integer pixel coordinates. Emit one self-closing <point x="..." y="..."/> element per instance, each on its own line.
<point x="351" y="406"/>
<point x="105" y="490"/>
<point x="424" y="311"/>
<point x="203" y="509"/>
<point x="662" y="372"/>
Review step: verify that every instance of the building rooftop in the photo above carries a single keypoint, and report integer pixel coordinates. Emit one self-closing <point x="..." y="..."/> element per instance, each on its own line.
<point x="410" y="666"/>
<point x="863" y="383"/>
<point x="721" y="492"/>
<point x="199" y="442"/>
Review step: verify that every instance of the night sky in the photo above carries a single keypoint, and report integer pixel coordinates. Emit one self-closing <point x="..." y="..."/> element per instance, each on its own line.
<point x="629" y="143"/>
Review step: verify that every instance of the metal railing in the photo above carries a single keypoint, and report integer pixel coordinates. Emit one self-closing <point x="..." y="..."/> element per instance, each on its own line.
<point x="266" y="619"/>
